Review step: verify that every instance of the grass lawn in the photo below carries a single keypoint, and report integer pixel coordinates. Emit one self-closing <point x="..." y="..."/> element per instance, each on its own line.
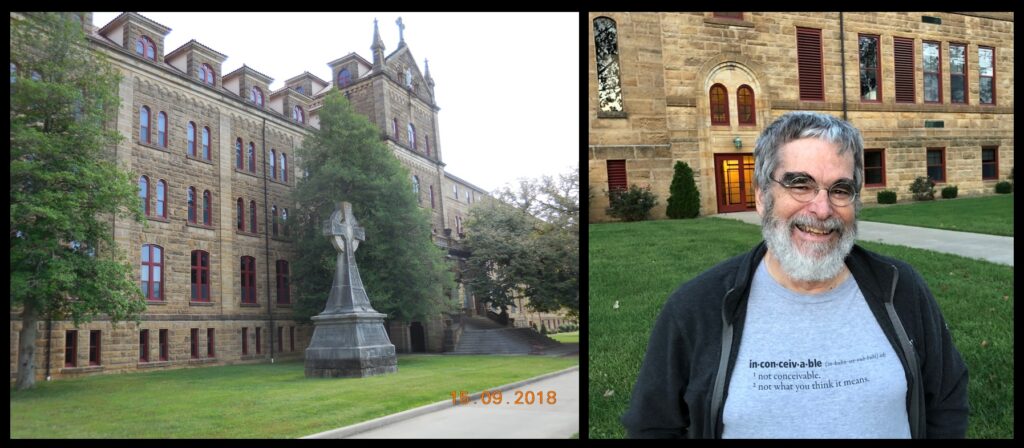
<point x="640" y="264"/>
<point x="987" y="214"/>
<point x="254" y="400"/>
<point x="572" y="336"/>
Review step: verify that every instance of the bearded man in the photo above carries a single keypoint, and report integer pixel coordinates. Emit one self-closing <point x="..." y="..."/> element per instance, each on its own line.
<point x="808" y="335"/>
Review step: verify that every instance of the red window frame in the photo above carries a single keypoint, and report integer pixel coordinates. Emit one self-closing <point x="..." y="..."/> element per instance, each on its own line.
<point x="143" y="345"/>
<point x="145" y="123"/>
<point x="191" y="204"/>
<point x="248" y="285"/>
<point x="259" y="346"/>
<point x="149" y="260"/>
<point x="283" y="294"/>
<point x="962" y="76"/>
<point x="273" y="219"/>
<point x="810" y="69"/>
<point x="207" y="201"/>
<point x="148" y="48"/>
<point x="905" y="84"/>
<point x="238" y="154"/>
<point x="245" y="341"/>
<point x="70" y="348"/>
<point x="877" y="69"/>
<point x="206" y="143"/>
<point x="209" y="78"/>
<point x="161" y="129"/>
<point x="942" y="164"/>
<point x="161" y="198"/>
<point x="144" y="193"/>
<point x="257" y="96"/>
<point x="924" y="70"/>
<point x="163" y="345"/>
<point x="273" y="164"/>
<point x="252" y="157"/>
<point x="211" y="344"/>
<point x="241" y="215"/>
<point x="617" y="179"/>
<point x="280" y="339"/>
<point x="291" y="337"/>
<point x="880" y="167"/>
<point x="745" y="105"/>
<point x="994" y="162"/>
<point x="981" y="75"/>
<point x="200" y="276"/>
<point x="252" y="217"/>
<point x="191" y="139"/>
<point x="194" y="343"/>
<point x="719" y="103"/>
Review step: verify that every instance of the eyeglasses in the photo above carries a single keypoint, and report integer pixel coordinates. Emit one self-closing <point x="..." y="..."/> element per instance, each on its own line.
<point x="805" y="189"/>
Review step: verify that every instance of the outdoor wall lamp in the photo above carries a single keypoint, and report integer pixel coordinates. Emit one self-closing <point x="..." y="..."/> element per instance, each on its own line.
<point x="739" y="143"/>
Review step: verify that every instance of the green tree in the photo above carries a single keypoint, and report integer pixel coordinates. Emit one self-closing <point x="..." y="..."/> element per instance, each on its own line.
<point x="684" y="199"/>
<point x="404" y="272"/>
<point x="65" y="186"/>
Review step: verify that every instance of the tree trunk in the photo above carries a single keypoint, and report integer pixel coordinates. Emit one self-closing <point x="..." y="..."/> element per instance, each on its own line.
<point x="27" y="348"/>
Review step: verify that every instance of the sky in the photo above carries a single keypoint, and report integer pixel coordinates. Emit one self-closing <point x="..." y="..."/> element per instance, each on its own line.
<point x="507" y="84"/>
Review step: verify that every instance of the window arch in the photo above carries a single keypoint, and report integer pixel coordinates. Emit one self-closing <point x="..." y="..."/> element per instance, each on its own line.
<point x="206" y="143"/>
<point x="273" y="168"/>
<point x="151" y="272"/>
<point x="207" y="205"/>
<point x="606" y="47"/>
<point x="191" y="132"/>
<point x="412" y="136"/>
<point x="240" y="210"/>
<point x="145" y="47"/>
<point x="256" y="96"/>
<point x="200" y="276"/>
<point x="144" y="124"/>
<point x="161" y="129"/>
<point x="161" y="197"/>
<point x="144" y="194"/>
<point x="344" y="78"/>
<point x="252" y="157"/>
<point x="273" y="219"/>
<point x="284" y="167"/>
<point x="238" y="153"/>
<point x="191" y="205"/>
<point x="745" y="103"/>
<point x="298" y="115"/>
<point x="248" y="279"/>
<point x="206" y="74"/>
<point x="719" y="105"/>
<point x="252" y="216"/>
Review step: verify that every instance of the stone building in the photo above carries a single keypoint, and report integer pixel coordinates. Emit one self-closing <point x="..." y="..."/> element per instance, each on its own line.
<point x="214" y="156"/>
<point x="932" y="94"/>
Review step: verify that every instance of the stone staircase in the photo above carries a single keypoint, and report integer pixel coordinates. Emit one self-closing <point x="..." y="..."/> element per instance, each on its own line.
<point x="482" y="336"/>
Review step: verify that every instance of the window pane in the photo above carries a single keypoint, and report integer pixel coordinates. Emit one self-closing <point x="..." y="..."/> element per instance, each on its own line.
<point x="935" y="173"/>
<point x="934" y="158"/>
<point x="988" y="170"/>
<point x="873" y="159"/>
<point x="985" y="61"/>
<point x="145" y="253"/>
<point x="956" y="59"/>
<point x="988" y="155"/>
<point x="868" y="52"/>
<point x="931" y="87"/>
<point x="931" y="57"/>
<point x="144" y="273"/>
<point x="868" y="85"/>
<point x="607" y="52"/>
<point x="156" y="289"/>
<point x="986" y="90"/>
<point x="956" y="88"/>
<point x="872" y="175"/>
<point x="156" y="255"/>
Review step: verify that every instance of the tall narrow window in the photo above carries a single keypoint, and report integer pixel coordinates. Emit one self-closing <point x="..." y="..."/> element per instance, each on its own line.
<point x="252" y="157"/>
<point x="207" y="205"/>
<point x="431" y="196"/>
<point x="344" y="78"/>
<point x="200" y="276"/>
<point x="280" y="339"/>
<point x="191" y="132"/>
<point x="273" y="167"/>
<point x="719" y="105"/>
<point x="151" y="271"/>
<point x="206" y="143"/>
<point x="291" y="337"/>
<point x="958" y="73"/>
<point x="617" y="175"/>
<point x="284" y="220"/>
<point x="240" y="209"/>
<point x="283" y="295"/>
<point x="206" y="74"/>
<point x="161" y="129"/>
<point x="194" y="343"/>
<point x="192" y="205"/>
<point x="163" y="345"/>
<point x="144" y="124"/>
<point x="412" y="135"/>
<point x="284" y="167"/>
<point x="273" y="219"/>
<point x="416" y="188"/>
<point x="809" y="66"/>
<point x="298" y="115"/>
<point x="426" y="143"/>
<point x="252" y="216"/>
<point x="210" y="343"/>
<point x="245" y="341"/>
<point x="989" y="163"/>
<point x="870" y="69"/>
<point x="161" y="198"/>
<point x="259" y="345"/>
<point x="144" y="194"/>
<point x="143" y="345"/>
<point x="256" y="96"/>
<point x="937" y="164"/>
<point x="745" y="104"/>
<point x="70" y="348"/>
<point x="94" y="347"/>
<point x="144" y="47"/>
<point x="394" y="127"/>
<point x="606" y="49"/>
<point x="903" y="66"/>
<point x="986" y="75"/>
<point x="248" y="272"/>
<point x="874" y="167"/>
<point x="932" y="72"/>
<point x="238" y="154"/>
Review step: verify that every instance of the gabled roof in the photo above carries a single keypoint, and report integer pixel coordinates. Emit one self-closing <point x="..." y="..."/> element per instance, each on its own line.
<point x="352" y="55"/>
<point x="193" y="44"/>
<point x="307" y="75"/>
<point x="119" y="20"/>
<point x="251" y="71"/>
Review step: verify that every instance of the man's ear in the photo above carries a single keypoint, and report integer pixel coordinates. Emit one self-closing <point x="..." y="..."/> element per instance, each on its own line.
<point x="757" y="201"/>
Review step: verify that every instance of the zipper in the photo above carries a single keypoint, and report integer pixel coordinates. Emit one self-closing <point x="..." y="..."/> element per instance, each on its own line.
<point x="718" y="392"/>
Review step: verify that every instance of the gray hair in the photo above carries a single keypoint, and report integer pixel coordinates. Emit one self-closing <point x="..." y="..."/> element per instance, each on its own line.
<point x="797" y="125"/>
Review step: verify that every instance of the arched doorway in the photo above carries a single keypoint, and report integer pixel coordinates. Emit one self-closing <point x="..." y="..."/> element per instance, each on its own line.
<point x="419" y="337"/>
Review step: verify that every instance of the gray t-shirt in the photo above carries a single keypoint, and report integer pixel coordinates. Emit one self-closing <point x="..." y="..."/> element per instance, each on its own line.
<point x="814" y="366"/>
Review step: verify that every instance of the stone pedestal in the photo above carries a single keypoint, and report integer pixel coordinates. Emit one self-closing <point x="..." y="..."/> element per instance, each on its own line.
<point x="350" y="345"/>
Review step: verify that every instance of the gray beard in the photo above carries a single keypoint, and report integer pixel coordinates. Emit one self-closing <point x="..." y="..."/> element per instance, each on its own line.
<point x="822" y="261"/>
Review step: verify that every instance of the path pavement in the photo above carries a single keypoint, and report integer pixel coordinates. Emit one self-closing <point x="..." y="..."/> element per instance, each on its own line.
<point x="997" y="249"/>
<point x="508" y="420"/>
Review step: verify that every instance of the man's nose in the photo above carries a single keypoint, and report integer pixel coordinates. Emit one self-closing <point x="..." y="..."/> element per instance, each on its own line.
<point x="820" y="205"/>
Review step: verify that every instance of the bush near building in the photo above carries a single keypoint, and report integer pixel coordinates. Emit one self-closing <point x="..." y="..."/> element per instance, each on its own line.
<point x="684" y="199"/>
<point x="1004" y="187"/>
<point x="886" y="197"/>
<point x="923" y="189"/>
<point x="634" y="204"/>
<point x="949" y="192"/>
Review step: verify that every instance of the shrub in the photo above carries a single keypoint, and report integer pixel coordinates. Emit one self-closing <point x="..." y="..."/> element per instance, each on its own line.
<point x="564" y="328"/>
<point x="633" y="204"/>
<point x="543" y="329"/>
<point x="949" y="192"/>
<point x="923" y="189"/>
<point x="684" y="199"/>
<point x="886" y="197"/>
<point x="1004" y="187"/>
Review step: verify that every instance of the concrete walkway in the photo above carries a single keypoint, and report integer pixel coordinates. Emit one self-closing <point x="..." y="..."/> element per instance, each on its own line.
<point x="475" y="420"/>
<point x="996" y="249"/>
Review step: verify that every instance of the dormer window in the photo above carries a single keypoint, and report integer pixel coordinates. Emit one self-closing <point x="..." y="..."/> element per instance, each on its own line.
<point x="256" y="96"/>
<point x="298" y="115"/>
<point x="145" y="48"/>
<point x="300" y="90"/>
<point x="206" y="74"/>
<point x="344" y="78"/>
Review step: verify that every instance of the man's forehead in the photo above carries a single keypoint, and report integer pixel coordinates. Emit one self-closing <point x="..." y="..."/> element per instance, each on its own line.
<point x="811" y="155"/>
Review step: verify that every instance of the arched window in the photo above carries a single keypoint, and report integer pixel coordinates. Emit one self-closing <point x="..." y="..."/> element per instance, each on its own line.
<point x="412" y="136"/>
<point x="145" y="48"/>
<point x="144" y="194"/>
<point x="256" y="96"/>
<point x="606" y="47"/>
<point x="298" y="115"/>
<point x="161" y="129"/>
<point x="252" y="216"/>
<point x="284" y="220"/>
<point x="241" y="214"/>
<point x="284" y="167"/>
<point x="416" y="185"/>
<point x="745" y="104"/>
<point x="431" y="196"/>
<point x="283" y="296"/>
<point x="344" y="78"/>
<point x="273" y="170"/>
<point x="394" y="126"/>
<point x="161" y="197"/>
<point x="273" y="219"/>
<point x="248" y="280"/>
<point x="207" y="204"/>
<point x="192" y="205"/>
<point x="144" y="124"/>
<point x="202" y="73"/>
<point x="151" y="272"/>
<point x="719" y="105"/>
<point x="206" y="143"/>
<point x="206" y="74"/>
<point x="426" y="141"/>
<point x="200" y="276"/>
<point x="252" y="157"/>
<point x="191" y="139"/>
<point x="238" y="154"/>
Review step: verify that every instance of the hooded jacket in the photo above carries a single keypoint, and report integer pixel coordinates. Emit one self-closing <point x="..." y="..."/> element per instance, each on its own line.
<point x="684" y="380"/>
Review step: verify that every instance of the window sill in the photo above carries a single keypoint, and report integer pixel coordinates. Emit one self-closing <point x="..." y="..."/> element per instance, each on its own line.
<point x="247" y="173"/>
<point x="240" y="232"/>
<point x="192" y="303"/>
<point x="81" y="369"/>
<point x="199" y="226"/>
<point x="280" y="182"/>
<point x="158" y="219"/>
<point x="198" y="159"/>
<point x="146" y="365"/>
<point x="611" y="114"/>
<point x="283" y="305"/>
<point x="249" y="305"/>
<point x="156" y="302"/>
<point x="202" y="360"/>
<point x="154" y="146"/>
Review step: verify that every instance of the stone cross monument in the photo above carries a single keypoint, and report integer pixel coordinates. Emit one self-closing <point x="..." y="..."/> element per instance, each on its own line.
<point x="348" y="336"/>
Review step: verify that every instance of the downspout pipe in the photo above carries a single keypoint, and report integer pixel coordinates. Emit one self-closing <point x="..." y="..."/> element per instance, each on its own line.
<point x="266" y="238"/>
<point x="842" y="62"/>
<point x="49" y="333"/>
